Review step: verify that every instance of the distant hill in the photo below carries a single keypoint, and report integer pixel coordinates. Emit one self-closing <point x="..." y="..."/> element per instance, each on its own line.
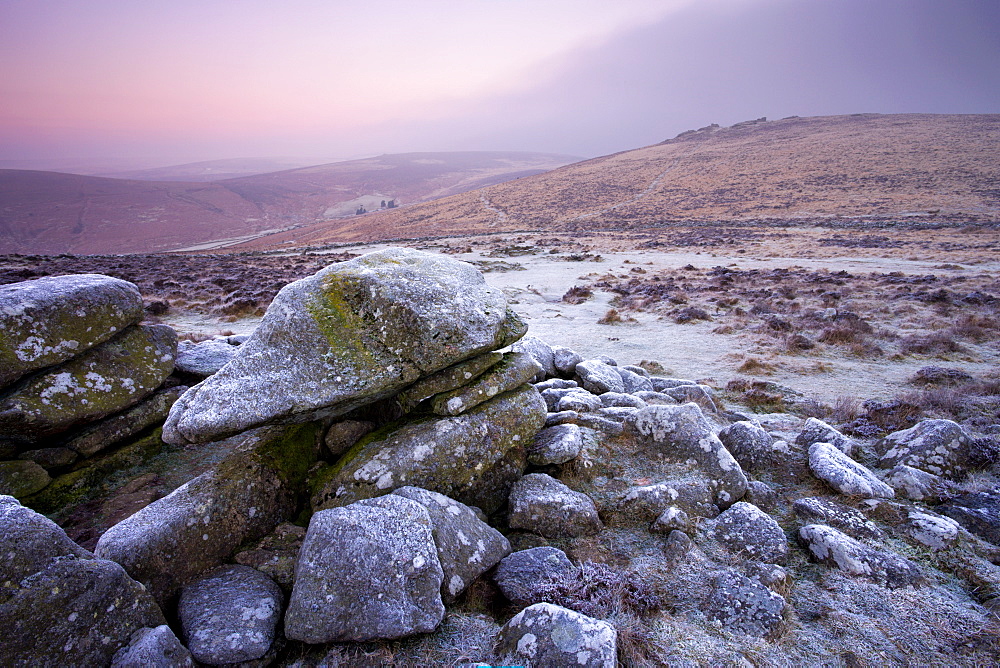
<point x="51" y="212"/>
<point x="212" y="170"/>
<point x="857" y="169"/>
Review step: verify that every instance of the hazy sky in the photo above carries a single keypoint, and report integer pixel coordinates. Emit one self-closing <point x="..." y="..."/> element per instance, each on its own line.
<point x="190" y="80"/>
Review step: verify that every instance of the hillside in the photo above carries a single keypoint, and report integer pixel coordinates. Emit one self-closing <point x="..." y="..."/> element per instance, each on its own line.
<point x="943" y="169"/>
<point x="49" y="212"/>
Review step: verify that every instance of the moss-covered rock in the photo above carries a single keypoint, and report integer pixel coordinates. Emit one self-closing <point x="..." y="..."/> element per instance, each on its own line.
<point x="121" y="426"/>
<point x="203" y="522"/>
<point x="358" y="331"/>
<point x="448" y="379"/>
<point x="48" y="320"/>
<point x="102" y="381"/>
<point x="447" y="455"/>
<point x="22" y="478"/>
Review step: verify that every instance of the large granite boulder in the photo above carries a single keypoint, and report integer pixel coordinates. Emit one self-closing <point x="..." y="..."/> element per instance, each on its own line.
<point x="467" y="546"/>
<point x="549" y="635"/>
<point x="49" y="320"/>
<point x="367" y="571"/>
<point x="447" y="455"/>
<point x="359" y="331"/>
<point x="58" y="604"/>
<point x="101" y="381"/>
<point x="200" y="524"/>
<point x="682" y="434"/>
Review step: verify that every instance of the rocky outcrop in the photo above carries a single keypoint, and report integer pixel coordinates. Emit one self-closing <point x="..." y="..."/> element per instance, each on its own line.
<point x="359" y="331"/>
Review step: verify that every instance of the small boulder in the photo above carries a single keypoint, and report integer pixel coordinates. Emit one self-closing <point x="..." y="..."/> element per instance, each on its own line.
<point x="743" y="605"/>
<point x="526" y="577"/>
<point x="368" y="571"/>
<point x="156" y="647"/>
<point x="565" y="360"/>
<point x="598" y="377"/>
<point x="932" y="530"/>
<point x="579" y="400"/>
<point x="645" y="503"/>
<point x="837" y="549"/>
<point x="817" y="431"/>
<point x="549" y="635"/>
<point x="204" y="358"/>
<point x="683" y="435"/>
<point x="556" y="445"/>
<point x="749" y="443"/>
<point x="844" y="474"/>
<point x="467" y="546"/>
<point x="230" y="615"/>
<point x="634" y="382"/>
<point x="940" y="447"/>
<point x="539" y="351"/>
<point x="698" y="394"/>
<point x="22" y="478"/>
<point x="49" y="320"/>
<point x="344" y="434"/>
<point x="747" y="530"/>
<point x="542" y="504"/>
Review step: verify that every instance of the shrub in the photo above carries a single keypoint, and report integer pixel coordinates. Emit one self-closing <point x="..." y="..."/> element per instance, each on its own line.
<point x="577" y="295"/>
<point x="936" y="343"/>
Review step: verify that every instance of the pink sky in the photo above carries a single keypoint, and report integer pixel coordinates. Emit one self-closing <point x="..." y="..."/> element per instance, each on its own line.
<point x="182" y="81"/>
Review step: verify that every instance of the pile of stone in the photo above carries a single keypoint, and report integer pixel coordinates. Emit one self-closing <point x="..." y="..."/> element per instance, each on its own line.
<point x="394" y="406"/>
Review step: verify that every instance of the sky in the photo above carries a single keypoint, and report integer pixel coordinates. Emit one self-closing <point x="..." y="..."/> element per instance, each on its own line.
<point x="162" y="83"/>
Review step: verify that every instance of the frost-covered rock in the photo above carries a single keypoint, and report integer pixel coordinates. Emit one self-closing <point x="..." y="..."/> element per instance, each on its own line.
<point x="467" y="546"/>
<point x="579" y="400"/>
<point x="698" y="394"/>
<point x="816" y="510"/>
<point x="101" y="381"/>
<point x="447" y="379"/>
<point x="156" y="647"/>
<point x="367" y="571"/>
<point x="671" y="519"/>
<point x="749" y="443"/>
<point x="359" y="331"/>
<point x="565" y="360"/>
<point x="513" y="371"/>
<point x="539" y="351"/>
<point x="204" y="358"/>
<point x="549" y="635"/>
<point x="844" y="474"/>
<point x="932" y="530"/>
<point x="556" y="445"/>
<point x="747" y="530"/>
<point x="49" y="320"/>
<point x="230" y="615"/>
<point x="917" y="485"/>
<point x="817" y="431"/>
<point x="542" y="504"/>
<point x="201" y="523"/>
<point x="978" y="512"/>
<point x="683" y="435"/>
<point x="57" y="601"/>
<point x="634" y="382"/>
<point x="743" y="605"/>
<point x="526" y="576"/>
<point x="598" y="377"/>
<point x="645" y="503"/>
<point x="838" y="550"/>
<point x="451" y="455"/>
<point x="616" y="400"/>
<point x="130" y="422"/>
<point x="940" y="447"/>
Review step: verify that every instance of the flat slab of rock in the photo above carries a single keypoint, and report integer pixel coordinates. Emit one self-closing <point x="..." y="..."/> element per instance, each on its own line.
<point x="48" y="320"/>
<point x="367" y="571"/>
<point x="817" y="510"/>
<point x="101" y="381"/>
<point x="58" y="601"/>
<point x="540" y="503"/>
<point x="446" y="455"/>
<point x="359" y="331"/>
<point x="549" y="635"/>
<point x="681" y="433"/>
<point x="838" y="550"/>
<point x="526" y="576"/>
<point x="940" y="447"/>
<point x="467" y="546"/>
<point x="514" y="370"/>
<point x="201" y="523"/>
<point x="844" y="474"/>
<point x="447" y="379"/>
<point x="230" y="614"/>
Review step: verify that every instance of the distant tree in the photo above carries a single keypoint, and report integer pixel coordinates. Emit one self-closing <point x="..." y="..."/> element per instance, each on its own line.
<point x="361" y="210"/>
<point x="392" y="204"/>
<point x="383" y="204"/>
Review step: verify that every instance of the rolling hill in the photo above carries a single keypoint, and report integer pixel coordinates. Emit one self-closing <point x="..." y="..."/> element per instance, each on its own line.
<point x="50" y="212"/>
<point x="862" y="169"/>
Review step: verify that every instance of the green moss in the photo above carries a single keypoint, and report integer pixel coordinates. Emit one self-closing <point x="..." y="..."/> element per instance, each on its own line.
<point x="294" y="453"/>
<point x="337" y="320"/>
